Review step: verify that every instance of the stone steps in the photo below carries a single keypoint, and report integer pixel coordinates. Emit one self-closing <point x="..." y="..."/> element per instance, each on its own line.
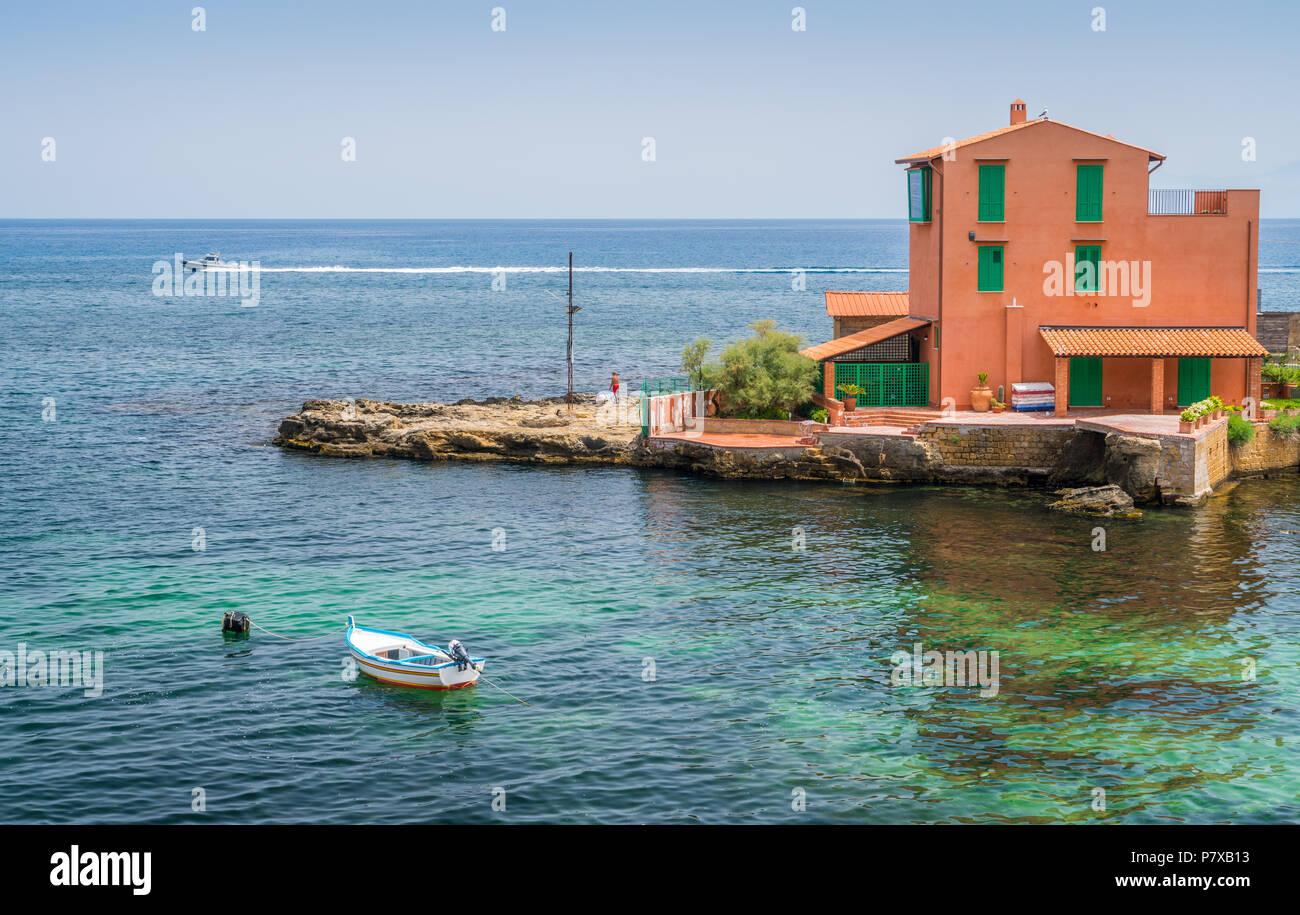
<point x="888" y="416"/>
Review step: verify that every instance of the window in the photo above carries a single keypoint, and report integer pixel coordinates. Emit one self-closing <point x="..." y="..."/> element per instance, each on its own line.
<point x="918" y="194"/>
<point x="1087" y="267"/>
<point x="990" y="269"/>
<point x="1087" y="196"/>
<point x="992" y="193"/>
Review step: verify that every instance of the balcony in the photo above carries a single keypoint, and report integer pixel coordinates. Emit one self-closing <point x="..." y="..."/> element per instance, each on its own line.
<point x="1186" y="202"/>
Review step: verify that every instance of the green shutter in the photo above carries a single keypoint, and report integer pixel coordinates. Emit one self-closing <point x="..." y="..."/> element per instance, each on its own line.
<point x="989" y="273"/>
<point x="918" y="194"/>
<point x="1087" y="195"/>
<point x="992" y="193"/>
<point x="1085" y="276"/>
<point x="1085" y="382"/>
<point x="1193" y="381"/>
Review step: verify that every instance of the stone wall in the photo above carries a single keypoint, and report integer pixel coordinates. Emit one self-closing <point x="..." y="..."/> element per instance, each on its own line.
<point x="1031" y="447"/>
<point x="1266" y="452"/>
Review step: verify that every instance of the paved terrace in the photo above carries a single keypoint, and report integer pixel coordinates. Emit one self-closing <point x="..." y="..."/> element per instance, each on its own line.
<point x="1146" y="424"/>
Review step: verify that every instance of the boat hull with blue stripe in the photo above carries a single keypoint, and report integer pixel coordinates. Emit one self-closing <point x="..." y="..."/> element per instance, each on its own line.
<point x="404" y="660"/>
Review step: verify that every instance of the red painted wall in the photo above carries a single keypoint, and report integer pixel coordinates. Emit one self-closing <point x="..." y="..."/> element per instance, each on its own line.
<point x="1202" y="268"/>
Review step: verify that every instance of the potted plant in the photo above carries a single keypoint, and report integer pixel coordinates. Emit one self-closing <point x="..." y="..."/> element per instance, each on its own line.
<point x="851" y="394"/>
<point x="981" y="397"/>
<point x="1217" y="406"/>
<point x="1187" y="420"/>
<point x="996" y="405"/>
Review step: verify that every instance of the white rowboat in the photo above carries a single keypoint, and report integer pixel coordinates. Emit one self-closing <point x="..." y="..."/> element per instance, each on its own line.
<point x="406" y="661"/>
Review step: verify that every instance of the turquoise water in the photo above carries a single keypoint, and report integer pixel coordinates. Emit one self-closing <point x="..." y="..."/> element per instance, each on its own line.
<point x="1120" y="670"/>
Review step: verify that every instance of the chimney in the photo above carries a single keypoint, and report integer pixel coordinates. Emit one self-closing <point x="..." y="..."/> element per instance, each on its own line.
<point x="1018" y="111"/>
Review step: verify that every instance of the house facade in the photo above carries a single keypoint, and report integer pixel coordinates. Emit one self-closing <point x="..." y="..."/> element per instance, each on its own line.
<point x="1039" y="252"/>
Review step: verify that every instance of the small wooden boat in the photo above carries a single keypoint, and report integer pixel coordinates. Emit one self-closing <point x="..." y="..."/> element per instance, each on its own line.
<point x="406" y="661"/>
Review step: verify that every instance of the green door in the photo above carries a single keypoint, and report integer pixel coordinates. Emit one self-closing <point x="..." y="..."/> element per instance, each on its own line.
<point x="1193" y="380"/>
<point x="1085" y="382"/>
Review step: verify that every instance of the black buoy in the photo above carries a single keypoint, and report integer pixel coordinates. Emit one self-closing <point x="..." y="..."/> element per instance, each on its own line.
<point x="236" y="622"/>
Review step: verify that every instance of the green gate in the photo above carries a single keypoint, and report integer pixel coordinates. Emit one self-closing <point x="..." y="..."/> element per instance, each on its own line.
<point x="1085" y="382"/>
<point x="1193" y="381"/>
<point x="887" y="384"/>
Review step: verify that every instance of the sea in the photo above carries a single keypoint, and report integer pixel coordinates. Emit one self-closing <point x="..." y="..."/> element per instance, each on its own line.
<point x="662" y="648"/>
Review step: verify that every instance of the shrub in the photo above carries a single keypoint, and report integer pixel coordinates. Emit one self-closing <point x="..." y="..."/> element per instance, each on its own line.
<point x="820" y="415"/>
<point x="763" y="376"/>
<point x="1284" y="424"/>
<point x="693" y="358"/>
<point x="1239" y="430"/>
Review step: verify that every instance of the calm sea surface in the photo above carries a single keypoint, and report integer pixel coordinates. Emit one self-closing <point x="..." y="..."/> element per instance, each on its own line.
<point x="683" y="662"/>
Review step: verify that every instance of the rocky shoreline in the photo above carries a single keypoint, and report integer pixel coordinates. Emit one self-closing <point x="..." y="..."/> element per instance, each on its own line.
<point x="544" y="432"/>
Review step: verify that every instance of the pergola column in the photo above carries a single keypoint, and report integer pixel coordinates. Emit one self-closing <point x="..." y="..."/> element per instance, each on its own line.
<point x="1157" y="386"/>
<point x="828" y="379"/>
<point x="1254" y="384"/>
<point x="1062" y="385"/>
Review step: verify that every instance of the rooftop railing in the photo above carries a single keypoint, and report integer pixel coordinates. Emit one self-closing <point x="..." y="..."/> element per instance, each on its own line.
<point x="1186" y="202"/>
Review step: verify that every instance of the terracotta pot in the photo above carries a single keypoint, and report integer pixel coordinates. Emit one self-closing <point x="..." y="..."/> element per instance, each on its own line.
<point x="999" y="408"/>
<point x="980" y="398"/>
<point x="1218" y="414"/>
<point x="850" y="404"/>
<point x="1184" y="426"/>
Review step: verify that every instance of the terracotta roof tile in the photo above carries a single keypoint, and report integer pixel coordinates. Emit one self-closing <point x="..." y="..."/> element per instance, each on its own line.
<point x="865" y="304"/>
<point x="935" y="152"/>
<point x="1153" y="342"/>
<point x="850" y="342"/>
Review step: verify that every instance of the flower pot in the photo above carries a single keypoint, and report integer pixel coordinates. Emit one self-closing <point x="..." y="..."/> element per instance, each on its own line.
<point x="850" y="404"/>
<point x="1218" y="414"/>
<point x="980" y="398"/>
<point x="1185" y="426"/>
<point x="999" y="408"/>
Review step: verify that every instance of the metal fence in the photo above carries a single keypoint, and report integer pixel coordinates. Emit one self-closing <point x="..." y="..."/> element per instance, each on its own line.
<point x="1186" y="202"/>
<point x="653" y="387"/>
<point x="886" y="384"/>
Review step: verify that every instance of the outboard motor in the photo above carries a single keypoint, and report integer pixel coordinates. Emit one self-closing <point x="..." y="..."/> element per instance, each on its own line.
<point x="459" y="655"/>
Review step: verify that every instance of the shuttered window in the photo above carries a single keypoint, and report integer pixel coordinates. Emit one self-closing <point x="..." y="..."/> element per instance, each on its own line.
<point x="918" y="194"/>
<point x="1087" y="267"/>
<point x="1087" y="197"/>
<point x="990" y="269"/>
<point x="992" y="193"/>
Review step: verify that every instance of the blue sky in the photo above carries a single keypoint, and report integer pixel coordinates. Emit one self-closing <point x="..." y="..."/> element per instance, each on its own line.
<point x="546" y="119"/>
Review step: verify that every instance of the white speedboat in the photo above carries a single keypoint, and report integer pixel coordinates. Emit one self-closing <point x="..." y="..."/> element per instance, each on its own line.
<point x="406" y="661"/>
<point x="209" y="261"/>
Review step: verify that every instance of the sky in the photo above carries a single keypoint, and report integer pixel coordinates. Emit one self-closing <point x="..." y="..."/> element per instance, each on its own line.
<point x="548" y="117"/>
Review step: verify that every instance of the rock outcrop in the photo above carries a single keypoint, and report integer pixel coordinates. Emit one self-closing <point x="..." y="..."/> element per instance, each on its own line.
<point x="501" y="429"/>
<point x="1104" y="501"/>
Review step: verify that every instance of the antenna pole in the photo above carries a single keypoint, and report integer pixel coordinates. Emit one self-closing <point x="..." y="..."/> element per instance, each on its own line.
<point x="569" y="397"/>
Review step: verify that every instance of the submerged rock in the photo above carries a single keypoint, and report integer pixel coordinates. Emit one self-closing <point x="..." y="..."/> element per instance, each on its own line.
<point x="1108" y="501"/>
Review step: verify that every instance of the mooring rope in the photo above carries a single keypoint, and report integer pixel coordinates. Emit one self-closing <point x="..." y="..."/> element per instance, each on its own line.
<point x="330" y="634"/>
<point x="510" y="694"/>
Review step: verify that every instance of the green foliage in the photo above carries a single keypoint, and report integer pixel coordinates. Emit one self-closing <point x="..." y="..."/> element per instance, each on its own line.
<point x="1189" y="415"/>
<point x="851" y="390"/>
<point x="820" y="415"/>
<point x="1285" y="424"/>
<point x="1277" y="371"/>
<point x="983" y="377"/>
<point x="693" y="359"/>
<point x="1239" y="430"/>
<point x="763" y="376"/>
<point x="1281" y="403"/>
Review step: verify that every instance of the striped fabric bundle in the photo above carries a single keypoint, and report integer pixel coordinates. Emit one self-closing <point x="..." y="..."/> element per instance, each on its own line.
<point x="1033" y="395"/>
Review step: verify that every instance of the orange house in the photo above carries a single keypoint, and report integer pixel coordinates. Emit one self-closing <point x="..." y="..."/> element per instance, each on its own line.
<point x="1040" y="253"/>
